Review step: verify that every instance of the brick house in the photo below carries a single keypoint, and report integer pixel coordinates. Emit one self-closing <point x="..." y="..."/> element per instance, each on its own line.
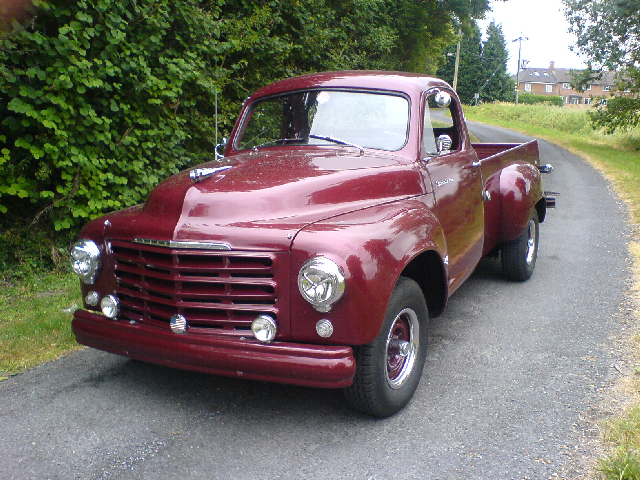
<point x="557" y="81"/>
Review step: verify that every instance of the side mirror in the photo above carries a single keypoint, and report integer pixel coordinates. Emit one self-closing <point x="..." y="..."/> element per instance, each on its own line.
<point x="442" y="99"/>
<point x="443" y="144"/>
<point x="223" y="144"/>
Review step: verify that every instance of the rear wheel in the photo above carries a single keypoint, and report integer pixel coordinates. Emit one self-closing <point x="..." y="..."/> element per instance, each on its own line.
<point x="389" y="368"/>
<point x="519" y="255"/>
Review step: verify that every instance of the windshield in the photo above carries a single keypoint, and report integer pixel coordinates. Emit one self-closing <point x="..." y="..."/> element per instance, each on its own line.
<point x="323" y="117"/>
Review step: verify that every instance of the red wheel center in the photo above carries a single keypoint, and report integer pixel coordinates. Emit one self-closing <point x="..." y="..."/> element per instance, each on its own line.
<point x="395" y="359"/>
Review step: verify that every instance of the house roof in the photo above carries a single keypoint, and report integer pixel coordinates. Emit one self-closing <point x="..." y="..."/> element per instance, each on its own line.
<point x="560" y="75"/>
<point x="537" y="75"/>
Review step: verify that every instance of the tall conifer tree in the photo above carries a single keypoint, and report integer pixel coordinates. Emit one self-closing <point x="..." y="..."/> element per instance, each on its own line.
<point x="498" y="85"/>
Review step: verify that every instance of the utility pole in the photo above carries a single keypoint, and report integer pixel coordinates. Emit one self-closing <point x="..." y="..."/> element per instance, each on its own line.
<point x="519" y="39"/>
<point x="455" y="71"/>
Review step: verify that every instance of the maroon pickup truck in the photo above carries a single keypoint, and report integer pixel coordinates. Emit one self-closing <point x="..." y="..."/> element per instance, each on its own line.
<point x="348" y="208"/>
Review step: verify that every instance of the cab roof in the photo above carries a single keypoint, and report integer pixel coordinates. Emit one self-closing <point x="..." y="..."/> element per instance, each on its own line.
<point x="412" y="84"/>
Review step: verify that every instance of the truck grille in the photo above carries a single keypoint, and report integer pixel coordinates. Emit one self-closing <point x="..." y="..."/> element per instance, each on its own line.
<point x="217" y="292"/>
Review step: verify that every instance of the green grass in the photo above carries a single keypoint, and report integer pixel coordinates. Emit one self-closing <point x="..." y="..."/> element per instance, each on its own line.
<point x="35" y="321"/>
<point x="624" y="462"/>
<point x="618" y="158"/>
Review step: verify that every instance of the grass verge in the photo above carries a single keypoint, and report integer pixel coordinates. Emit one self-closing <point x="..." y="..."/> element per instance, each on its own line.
<point x="618" y="158"/>
<point x="35" y="321"/>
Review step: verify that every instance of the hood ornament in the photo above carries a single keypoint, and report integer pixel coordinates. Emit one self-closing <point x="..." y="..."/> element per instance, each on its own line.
<point x="198" y="174"/>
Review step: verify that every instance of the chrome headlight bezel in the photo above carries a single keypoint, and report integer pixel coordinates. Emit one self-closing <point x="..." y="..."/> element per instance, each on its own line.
<point x="86" y="260"/>
<point x="264" y="328"/>
<point x="110" y="306"/>
<point x="321" y="283"/>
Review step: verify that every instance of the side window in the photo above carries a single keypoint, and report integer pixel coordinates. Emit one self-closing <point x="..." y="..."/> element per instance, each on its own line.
<point x="440" y="135"/>
<point x="265" y="125"/>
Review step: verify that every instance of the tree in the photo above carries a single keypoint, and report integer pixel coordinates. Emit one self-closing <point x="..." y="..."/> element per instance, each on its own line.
<point x="608" y="33"/>
<point x="426" y="27"/>
<point x="483" y="65"/>
<point x="498" y="85"/>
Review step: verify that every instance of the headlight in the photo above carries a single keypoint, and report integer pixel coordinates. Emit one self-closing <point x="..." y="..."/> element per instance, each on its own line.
<point x="85" y="260"/>
<point x="321" y="283"/>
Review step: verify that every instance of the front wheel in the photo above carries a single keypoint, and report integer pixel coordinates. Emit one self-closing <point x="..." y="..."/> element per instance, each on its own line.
<point x="519" y="255"/>
<point x="389" y="368"/>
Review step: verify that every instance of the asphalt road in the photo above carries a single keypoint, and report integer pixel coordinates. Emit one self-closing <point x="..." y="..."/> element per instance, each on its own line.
<point x="512" y="377"/>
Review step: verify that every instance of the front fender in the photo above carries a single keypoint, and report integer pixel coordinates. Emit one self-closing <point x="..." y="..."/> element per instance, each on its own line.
<point x="520" y="190"/>
<point x="372" y="246"/>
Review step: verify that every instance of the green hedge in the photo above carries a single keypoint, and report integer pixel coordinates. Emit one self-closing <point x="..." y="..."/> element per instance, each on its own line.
<point x="98" y="99"/>
<point x="531" y="99"/>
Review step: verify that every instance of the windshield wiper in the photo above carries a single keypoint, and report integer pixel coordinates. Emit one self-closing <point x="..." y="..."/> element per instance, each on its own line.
<point x="338" y="141"/>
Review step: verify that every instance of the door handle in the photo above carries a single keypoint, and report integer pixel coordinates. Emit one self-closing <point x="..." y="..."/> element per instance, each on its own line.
<point x="472" y="165"/>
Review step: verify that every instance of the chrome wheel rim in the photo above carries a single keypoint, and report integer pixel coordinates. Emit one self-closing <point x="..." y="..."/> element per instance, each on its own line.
<point x="402" y="348"/>
<point x="531" y="242"/>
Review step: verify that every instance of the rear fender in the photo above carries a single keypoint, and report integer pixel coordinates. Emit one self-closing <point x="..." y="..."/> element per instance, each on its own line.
<point x="373" y="247"/>
<point x="520" y="191"/>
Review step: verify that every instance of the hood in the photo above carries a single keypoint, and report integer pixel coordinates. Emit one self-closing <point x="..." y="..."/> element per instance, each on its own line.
<point x="265" y="198"/>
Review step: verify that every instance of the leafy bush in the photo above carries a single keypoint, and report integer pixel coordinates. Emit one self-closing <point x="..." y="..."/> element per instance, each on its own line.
<point x="100" y="97"/>
<point x="532" y="99"/>
<point x="27" y="251"/>
<point x="619" y="113"/>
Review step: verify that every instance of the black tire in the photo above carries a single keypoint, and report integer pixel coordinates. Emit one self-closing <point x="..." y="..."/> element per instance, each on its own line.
<point x="519" y="256"/>
<point x="386" y="377"/>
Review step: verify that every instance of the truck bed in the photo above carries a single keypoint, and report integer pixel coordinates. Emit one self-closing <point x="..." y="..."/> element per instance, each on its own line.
<point x="495" y="158"/>
<point x="486" y="150"/>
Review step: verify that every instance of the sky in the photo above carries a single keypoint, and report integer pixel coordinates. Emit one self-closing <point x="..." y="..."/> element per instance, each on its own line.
<point x="543" y="23"/>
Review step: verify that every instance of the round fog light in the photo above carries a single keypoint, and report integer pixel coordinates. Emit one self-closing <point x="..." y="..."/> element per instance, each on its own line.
<point x="110" y="306"/>
<point x="92" y="298"/>
<point x="264" y="328"/>
<point x="324" y="328"/>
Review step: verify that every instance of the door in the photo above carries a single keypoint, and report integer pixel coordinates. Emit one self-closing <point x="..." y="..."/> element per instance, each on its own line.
<point x="456" y="179"/>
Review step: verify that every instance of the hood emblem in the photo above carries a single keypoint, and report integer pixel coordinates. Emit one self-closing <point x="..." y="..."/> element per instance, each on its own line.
<point x="198" y="174"/>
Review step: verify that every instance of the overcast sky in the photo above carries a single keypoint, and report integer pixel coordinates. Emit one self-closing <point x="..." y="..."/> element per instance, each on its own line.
<point x="544" y="23"/>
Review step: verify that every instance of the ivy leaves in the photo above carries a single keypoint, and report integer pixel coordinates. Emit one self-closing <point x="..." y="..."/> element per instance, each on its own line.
<point x="94" y="99"/>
